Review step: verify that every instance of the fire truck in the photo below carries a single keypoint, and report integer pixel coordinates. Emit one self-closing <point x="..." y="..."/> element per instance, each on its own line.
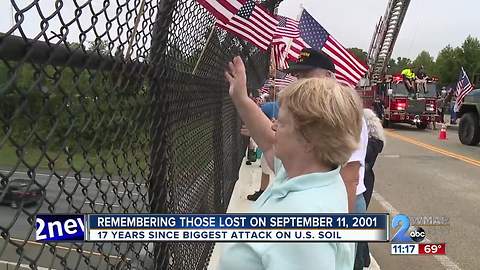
<point x="386" y="94"/>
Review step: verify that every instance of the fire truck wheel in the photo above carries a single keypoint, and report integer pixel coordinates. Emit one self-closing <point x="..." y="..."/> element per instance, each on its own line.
<point x="469" y="129"/>
<point x="422" y="125"/>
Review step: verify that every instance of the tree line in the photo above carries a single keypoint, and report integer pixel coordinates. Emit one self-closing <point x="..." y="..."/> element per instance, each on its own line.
<point x="446" y="66"/>
<point x="62" y="103"/>
<point x="61" y="106"/>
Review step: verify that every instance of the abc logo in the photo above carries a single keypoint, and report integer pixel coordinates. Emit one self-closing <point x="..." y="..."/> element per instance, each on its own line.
<point x="417" y="234"/>
<point x="405" y="233"/>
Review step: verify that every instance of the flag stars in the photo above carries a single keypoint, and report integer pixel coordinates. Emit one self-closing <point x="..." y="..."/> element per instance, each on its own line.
<point x="247" y="9"/>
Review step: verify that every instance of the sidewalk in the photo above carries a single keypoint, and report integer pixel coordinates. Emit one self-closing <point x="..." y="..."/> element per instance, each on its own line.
<point x="248" y="182"/>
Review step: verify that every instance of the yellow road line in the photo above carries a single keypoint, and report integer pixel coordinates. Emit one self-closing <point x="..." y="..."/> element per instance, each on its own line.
<point x="444" y="152"/>
<point x="66" y="248"/>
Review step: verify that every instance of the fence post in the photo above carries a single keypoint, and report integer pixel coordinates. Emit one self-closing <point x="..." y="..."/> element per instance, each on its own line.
<point x="158" y="188"/>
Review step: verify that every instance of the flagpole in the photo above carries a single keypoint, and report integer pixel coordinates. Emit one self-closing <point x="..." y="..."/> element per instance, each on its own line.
<point x="273" y="75"/>
<point x="273" y="68"/>
<point x="203" y="50"/>
<point x="137" y="21"/>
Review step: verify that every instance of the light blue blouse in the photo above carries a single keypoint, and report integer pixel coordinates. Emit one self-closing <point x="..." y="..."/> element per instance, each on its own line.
<point x="310" y="193"/>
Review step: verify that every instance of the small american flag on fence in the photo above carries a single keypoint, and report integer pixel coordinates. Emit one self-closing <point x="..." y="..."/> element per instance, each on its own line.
<point x="286" y="43"/>
<point x="282" y="80"/>
<point x="245" y="19"/>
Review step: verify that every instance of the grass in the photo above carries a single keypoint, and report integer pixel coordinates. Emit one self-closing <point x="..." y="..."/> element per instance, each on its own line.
<point x="34" y="158"/>
<point x="192" y="145"/>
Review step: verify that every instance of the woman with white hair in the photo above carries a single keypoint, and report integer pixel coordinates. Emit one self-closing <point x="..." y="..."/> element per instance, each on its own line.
<point x="376" y="142"/>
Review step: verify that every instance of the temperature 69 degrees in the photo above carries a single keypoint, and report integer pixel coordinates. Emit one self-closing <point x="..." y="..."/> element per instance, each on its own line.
<point x="432" y="249"/>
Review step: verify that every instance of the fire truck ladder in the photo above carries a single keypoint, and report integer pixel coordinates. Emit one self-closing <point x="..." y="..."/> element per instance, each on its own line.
<point x="384" y="38"/>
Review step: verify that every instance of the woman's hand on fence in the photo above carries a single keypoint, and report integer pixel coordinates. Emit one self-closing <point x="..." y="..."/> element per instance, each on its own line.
<point x="236" y="76"/>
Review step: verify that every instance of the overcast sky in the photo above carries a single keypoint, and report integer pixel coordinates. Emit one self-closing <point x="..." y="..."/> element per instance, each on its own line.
<point x="31" y="20"/>
<point x="429" y="24"/>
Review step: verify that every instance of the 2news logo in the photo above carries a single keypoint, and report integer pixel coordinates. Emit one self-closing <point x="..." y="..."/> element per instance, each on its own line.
<point x="405" y="233"/>
<point x="60" y="228"/>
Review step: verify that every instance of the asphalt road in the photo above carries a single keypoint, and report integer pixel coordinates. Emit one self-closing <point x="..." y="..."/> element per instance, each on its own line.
<point x="69" y="195"/>
<point x="417" y="174"/>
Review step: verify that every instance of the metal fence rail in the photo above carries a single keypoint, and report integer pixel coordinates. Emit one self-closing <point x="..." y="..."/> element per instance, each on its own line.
<point x="101" y="112"/>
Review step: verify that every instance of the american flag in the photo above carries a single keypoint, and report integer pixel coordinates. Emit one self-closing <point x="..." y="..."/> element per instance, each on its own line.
<point x="286" y="43"/>
<point x="266" y="86"/>
<point x="463" y="88"/>
<point x="244" y="19"/>
<point x="282" y="80"/>
<point x="287" y="27"/>
<point x="296" y="47"/>
<point x="348" y="69"/>
<point x="222" y="10"/>
<point x="279" y="54"/>
<point x="287" y="49"/>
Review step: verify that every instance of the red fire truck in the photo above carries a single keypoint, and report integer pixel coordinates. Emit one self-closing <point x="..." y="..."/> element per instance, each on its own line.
<point x="387" y="95"/>
<point x="394" y="104"/>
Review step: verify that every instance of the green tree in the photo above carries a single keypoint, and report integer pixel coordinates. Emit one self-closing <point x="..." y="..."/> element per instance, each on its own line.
<point x="471" y="56"/>
<point x="450" y="60"/>
<point x="99" y="46"/>
<point x="426" y="60"/>
<point x="392" y="66"/>
<point x="3" y="77"/>
<point x="397" y="66"/>
<point x="448" y="64"/>
<point x="403" y="62"/>
<point x="359" y="54"/>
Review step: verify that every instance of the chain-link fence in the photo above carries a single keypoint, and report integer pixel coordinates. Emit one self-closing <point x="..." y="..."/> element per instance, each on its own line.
<point x="101" y="112"/>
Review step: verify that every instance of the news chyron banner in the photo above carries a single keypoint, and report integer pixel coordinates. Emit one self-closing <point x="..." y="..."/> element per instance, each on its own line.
<point x="214" y="227"/>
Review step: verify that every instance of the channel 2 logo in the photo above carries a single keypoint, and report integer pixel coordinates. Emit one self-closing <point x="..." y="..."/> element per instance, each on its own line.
<point x="406" y="234"/>
<point x="66" y="227"/>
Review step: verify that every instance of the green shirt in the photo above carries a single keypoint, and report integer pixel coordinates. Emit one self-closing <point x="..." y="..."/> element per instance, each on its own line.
<point x="408" y="73"/>
<point x="309" y="193"/>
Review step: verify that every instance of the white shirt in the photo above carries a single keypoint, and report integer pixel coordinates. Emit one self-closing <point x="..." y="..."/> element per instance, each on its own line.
<point x="359" y="155"/>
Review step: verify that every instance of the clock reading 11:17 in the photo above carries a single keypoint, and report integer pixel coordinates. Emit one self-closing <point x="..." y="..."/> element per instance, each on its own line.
<point x="418" y="249"/>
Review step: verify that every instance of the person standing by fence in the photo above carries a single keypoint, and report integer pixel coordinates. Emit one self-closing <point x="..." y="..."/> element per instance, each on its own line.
<point x="376" y="140"/>
<point x="317" y="130"/>
<point x="316" y="64"/>
<point x="270" y="109"/>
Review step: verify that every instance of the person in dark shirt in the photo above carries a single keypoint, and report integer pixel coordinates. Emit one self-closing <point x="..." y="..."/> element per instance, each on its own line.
<point x="420" y="73"/>
<point x="421" y="79"/>
<point x="376" y="140"/>
<point x="441" y="96"/>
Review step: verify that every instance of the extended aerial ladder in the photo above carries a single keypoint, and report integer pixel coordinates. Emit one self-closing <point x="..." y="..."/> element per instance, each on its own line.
<point x="384" y="37"/>
<point x="388" y="99"/>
